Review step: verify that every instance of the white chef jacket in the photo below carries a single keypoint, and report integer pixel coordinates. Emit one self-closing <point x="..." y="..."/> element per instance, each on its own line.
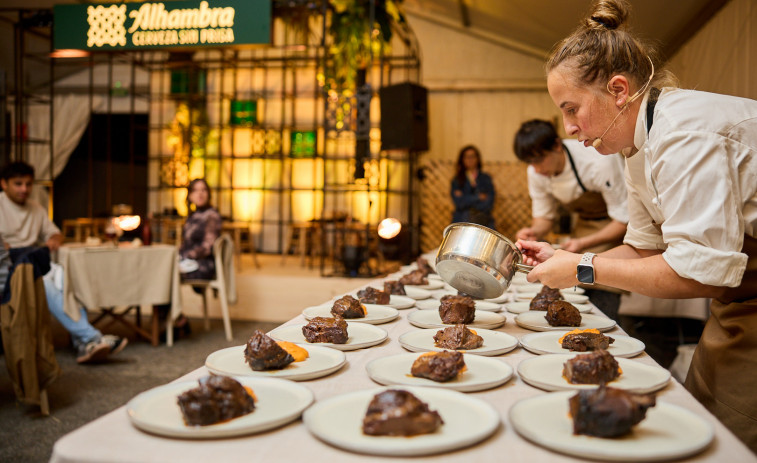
<point x="692" y="185"/>
<point x="603" y="174"/>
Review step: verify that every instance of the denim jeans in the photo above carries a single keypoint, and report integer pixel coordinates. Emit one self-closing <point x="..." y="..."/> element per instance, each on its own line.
<point x="81" y="331"/>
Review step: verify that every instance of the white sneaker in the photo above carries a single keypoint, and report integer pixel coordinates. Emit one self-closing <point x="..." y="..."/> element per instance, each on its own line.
<point x="115" y="343"/>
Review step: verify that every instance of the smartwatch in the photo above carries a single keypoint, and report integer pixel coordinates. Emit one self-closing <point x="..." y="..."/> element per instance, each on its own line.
<point x="585" y="269"/>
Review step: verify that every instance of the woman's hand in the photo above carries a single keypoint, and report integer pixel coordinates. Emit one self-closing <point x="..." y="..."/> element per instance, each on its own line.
<point x="557" y="272"/>
<point x="535" y="252"/>
<point x="458" y="193"/>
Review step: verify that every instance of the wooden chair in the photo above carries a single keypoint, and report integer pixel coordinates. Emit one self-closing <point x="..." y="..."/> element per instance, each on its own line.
<point x="223" y="284"/>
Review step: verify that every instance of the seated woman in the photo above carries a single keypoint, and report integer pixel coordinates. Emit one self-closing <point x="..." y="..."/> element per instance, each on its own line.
<point x="202" y="228"/>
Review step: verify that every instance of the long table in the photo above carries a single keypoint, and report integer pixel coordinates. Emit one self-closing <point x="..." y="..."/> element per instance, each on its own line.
<point x="112" y="438"/>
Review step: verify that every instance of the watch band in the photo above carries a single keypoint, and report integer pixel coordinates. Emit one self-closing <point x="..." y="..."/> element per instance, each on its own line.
<point x="587" y="259"/>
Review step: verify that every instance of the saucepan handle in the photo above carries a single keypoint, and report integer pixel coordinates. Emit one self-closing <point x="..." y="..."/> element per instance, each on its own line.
<point x="524" y="268"/>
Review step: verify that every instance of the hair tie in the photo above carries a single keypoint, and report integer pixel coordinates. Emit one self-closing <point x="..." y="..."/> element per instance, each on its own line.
<point x="600" y="21"/>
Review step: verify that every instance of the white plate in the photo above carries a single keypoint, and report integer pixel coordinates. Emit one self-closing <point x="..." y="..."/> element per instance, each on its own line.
<point x="339" y="421"/>
<point x="322" y="361"/>
<point x="547" y="342"/>
<point x="500" y="299"/>
<point x="572" y="298"/>
<point x="519" y="278"/>
<point x="481" y="373"/>
<point x="359" y="335"/>
<point x="417" y="293"/>
<point x="534" y="320"/>
<point x="536" y="287"/>
<point x="279" y="402"/>
<point x="522" y="307"/>
<point x="375" y="314"/>
<point x="401" y="302"/>
<point x="545" y="372"/>
<point x="667" y="433"/>
<point x="432" y="284"/>
<point x="431" y="319"/>
<point x="433" y="304"/>
<point x="495" y="342"/>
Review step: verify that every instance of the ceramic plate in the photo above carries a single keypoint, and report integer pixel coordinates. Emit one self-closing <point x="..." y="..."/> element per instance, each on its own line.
<point x="500" y="299"/>
<point x="667" y="433"/>
<point x="536" y="287"/>
<point x="481" y="373"/>
<point x="547" y="342"/>
<point x="431" y="319"/>
<point x="417" y="293"/>
<point x="433" y="304"/>
<point x="359" y="335"/>
<point x="534" y="320"/>
<point x="375" y="314"/>
<point x="545" y="372"/>
<point x="279" y="402"/>
<point x="432" y="284"/>
<point x="524" y="306"/>
<point x="572" y="298"/>
<point x="401" y="302"/>
<point x="321" y="362"/>
<point x="467" y="420"/>
<point x="495" y="342"/>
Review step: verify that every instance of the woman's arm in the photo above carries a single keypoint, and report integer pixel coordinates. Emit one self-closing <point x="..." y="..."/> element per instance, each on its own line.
<point x="644" y="272"/>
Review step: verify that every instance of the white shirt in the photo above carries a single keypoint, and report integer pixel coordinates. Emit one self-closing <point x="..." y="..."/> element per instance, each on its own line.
<point x="25" y="225"/>
<point x="602" y="174"/>
<point x="692" y="187"/>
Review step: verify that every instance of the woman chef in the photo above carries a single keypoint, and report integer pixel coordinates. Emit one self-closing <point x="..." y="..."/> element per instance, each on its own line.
<point x="691" y="174"/>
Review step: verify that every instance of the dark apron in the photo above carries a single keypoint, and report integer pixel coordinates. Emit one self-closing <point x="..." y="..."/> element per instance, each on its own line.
<point x="592" y="212"/>
<point x="723" y="372"/>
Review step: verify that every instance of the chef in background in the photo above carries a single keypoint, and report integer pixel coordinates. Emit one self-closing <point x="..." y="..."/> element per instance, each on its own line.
<point x="691" y="175"/>
<point x="565" y="172"/>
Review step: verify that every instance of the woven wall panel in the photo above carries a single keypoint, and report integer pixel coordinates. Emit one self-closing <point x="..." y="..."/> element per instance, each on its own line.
<point x="512" y="205"/>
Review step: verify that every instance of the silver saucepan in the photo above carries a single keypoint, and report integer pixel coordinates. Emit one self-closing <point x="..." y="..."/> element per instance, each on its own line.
<point x="478" y="261"/>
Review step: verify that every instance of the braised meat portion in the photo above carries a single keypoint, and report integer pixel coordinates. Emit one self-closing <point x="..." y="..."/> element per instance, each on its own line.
<point x="394" y="287"/>
<point x="562" y="313"/>
<point x="438" y="366"/>
<point x="457" y="337"/>
<point x="216" y="399"/>
<point x="416" y="277"/>
<point x="598" y="367"/>
<point x="324" y="329"/>
<point x="371" y="295"/>
<point x="263" y="353"/>
<point x="455" y="310"/>
<point x="544" y="297"/>
<point x="348" y="307"/>
<point x="399" y="413"/>
<point x="607" y="411"/>
<point x="586" y="340"/>
<point x="424" y="266"/>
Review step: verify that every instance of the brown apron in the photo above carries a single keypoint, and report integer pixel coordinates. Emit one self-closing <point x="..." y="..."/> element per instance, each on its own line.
<point x="723" y="372"/>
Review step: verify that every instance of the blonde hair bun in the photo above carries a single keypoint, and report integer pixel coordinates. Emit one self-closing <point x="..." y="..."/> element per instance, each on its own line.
<point x="608" y="14"/>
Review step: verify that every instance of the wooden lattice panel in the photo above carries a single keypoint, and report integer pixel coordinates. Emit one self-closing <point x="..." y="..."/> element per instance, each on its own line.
<point x="512" y="205"/>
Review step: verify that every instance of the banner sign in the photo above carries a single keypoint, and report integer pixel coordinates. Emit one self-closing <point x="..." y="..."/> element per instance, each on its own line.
<point x="138" y="26"/>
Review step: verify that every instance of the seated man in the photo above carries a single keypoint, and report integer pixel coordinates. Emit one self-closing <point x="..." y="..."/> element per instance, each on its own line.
<point x="23" y="222"/>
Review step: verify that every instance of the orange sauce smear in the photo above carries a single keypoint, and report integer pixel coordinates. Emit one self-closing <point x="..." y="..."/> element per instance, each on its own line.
<point x="298" y="353"/>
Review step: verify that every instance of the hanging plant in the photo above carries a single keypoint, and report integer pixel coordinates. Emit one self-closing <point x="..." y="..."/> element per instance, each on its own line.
<point x="355" y="41"/>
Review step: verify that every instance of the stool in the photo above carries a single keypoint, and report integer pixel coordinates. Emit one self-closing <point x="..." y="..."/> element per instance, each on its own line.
<point x="302" y="239"/>
<point x="79" y="229"/>
<point x="239" y="231"/>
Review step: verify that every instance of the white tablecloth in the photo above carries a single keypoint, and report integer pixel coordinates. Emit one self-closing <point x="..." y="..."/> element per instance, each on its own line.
<point x="112" y="438"/>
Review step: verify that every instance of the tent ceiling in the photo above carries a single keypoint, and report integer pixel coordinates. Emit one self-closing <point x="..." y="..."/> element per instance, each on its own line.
<point x="536" y="25"/>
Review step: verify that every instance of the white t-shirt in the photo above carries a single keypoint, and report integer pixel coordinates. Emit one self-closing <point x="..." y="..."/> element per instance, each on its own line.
<point x="602" y="174"/>
<point x="26" y="225"/>
<point x="692" y="187"/>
